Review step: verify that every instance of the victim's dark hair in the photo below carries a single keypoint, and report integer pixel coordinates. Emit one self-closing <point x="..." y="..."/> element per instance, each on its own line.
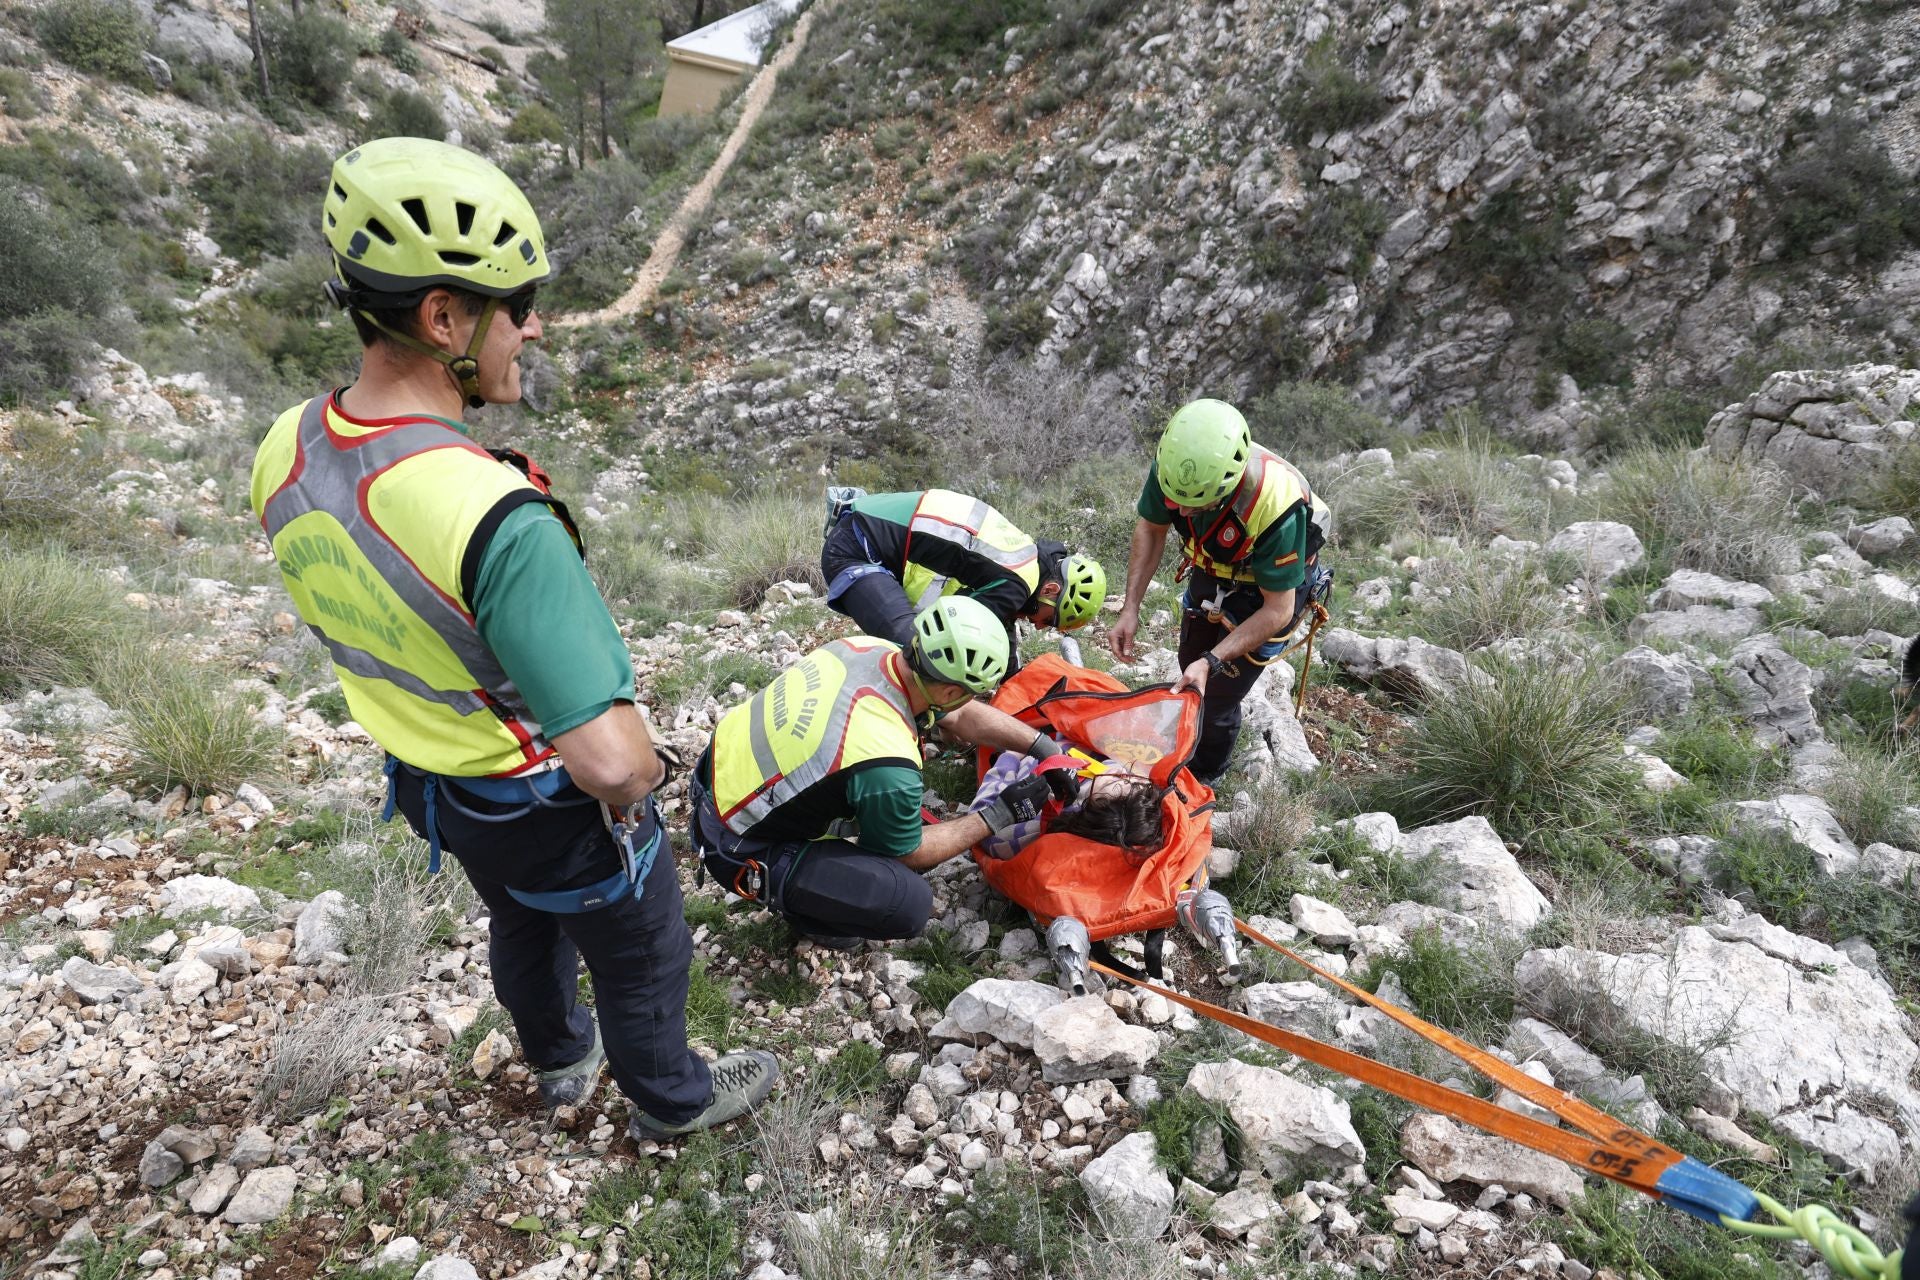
<point x="1134" y="819"/>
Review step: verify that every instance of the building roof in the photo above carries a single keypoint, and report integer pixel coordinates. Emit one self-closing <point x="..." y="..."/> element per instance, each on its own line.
<point x="739" y="37"/>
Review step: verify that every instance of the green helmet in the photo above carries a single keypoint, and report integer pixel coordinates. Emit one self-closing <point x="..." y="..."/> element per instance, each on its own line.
<point x="957" y="640"/>
<point x="1202" y="453"/>
<point x="1083" y="589"/>
<point x="404" y="216"/>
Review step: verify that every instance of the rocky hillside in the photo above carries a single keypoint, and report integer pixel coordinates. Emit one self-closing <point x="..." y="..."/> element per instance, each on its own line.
<point x="1597" y="765"/>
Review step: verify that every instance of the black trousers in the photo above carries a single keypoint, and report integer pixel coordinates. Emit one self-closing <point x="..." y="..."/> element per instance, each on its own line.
<point x="875" y="600"/>
<point x="829" y="888"/>
<point x="1220" y="705"/>
<point x="638" y="950"/>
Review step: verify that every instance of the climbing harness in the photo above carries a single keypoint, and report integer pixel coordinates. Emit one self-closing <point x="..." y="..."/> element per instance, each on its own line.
<point x="527" y="793"/>
<point x="1594" y="1140"/>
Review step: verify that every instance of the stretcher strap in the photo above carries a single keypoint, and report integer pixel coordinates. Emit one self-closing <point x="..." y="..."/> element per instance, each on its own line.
<point x="1602" y="1144"/>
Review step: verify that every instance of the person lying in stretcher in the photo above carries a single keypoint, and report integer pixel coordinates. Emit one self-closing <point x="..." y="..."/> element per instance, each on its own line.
<point x="1114" y="807"/>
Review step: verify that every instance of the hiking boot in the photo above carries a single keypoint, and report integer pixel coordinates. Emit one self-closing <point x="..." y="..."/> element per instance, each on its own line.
<point x="741" y="1081"/>
<point x="831" y="943"/>
<point x="571" y="1086"/>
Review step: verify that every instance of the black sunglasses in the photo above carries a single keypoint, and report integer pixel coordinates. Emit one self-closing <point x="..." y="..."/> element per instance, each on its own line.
<point x="519" y="306"/>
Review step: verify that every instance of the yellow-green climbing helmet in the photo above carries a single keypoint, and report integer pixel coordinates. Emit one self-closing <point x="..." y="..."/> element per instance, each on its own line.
<point x="1083" y="589"/>
<point x="1203" y="453"/>
<point x="957" y="640"/>
<point x="403" y="215"/>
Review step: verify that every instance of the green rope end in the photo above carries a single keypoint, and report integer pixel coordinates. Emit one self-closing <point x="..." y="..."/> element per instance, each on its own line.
<point x="1844" y="1247"/>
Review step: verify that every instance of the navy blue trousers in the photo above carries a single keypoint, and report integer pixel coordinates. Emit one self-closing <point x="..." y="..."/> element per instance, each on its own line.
<point x="638" y="950"/>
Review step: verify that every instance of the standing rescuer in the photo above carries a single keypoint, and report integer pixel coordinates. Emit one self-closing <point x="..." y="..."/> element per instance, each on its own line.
<point x="1250" y="531"/>
<point x="809" y="798"/>
<point x="448" y="585"/>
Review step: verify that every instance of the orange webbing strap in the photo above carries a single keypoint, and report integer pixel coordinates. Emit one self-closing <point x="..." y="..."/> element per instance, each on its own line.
<point x="1575" y="1111"/>
<point x="1612" y="1150"/>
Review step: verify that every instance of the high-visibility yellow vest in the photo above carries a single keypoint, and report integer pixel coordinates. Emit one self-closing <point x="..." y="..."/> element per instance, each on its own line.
<point x="979" y="528"/>
<point x="843" y="705"/>
<point x="371" y="526"/>
<point x="1219" y="541"/>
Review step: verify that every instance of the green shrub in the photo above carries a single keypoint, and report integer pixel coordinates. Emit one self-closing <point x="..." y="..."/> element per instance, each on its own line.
<point x="1316" y="420"/>
<point x="536" y="122"/>
<point x="1469" y="992"/>
<point x="1335" y="232"/>
<point x="1513" y="245"/>
<point x="1464" y="488"/>
<point x="53" y="260"/>
<point x="1012" y="1209"/>
<point x="311" y="53"/>
<point x="1838" y="191"/>
<point x="1173" y="1121"/>
<point x="1480" y="599"/>
<point x="958" y="30"/>
<point x="103" y="36"/>
<point x="770" y="536"/>
<point x="1595" y="352"/>
<point x="856" y="1070"/>
<point x="1729" y="518"/>
<point x="1690" y="20"/>
<point x="1665" y="417"/>
<point x="1534" y="746"/>
<point x="1871" y="793"/>
<point x="752" y="264"/>
<point x="1017" y="329"/>
<point x="1897" y="488"/>
<point x="19" y="95"/>
<point x="1786" y="882"/>
<point x="1721" y="758"/>
<point x="182" y="725"/>
<point x="244" y="177"/>
<point x="1325" y="95"/>
<point x="57" y="619"/>
<point x="407" y="113"/>
<point x="397" y="49"/>
<point x="1863" y="609"/>
<point x="41" y="351"/>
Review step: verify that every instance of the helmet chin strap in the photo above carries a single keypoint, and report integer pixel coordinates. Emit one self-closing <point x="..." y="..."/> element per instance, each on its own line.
<point x="463" y="369"/>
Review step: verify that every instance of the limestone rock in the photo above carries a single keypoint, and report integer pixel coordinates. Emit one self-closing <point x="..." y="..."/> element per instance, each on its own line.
<point x="1809" y="823"/>
<point x="1325" y="923"/>
<point x="1813" y="1049"/>
<point x="1286" y="1127"/>
<point x="159" y="1166"/>
<point x="491" y="1054"/>
<point x="1834" y="431"/>
<point x="447" y="1267"/>
<point x="1605" y="549"/>
<point x="1663" y="684"/>
<point x="183" y="894"/>
<point x="1774" y="690"/>
<point x="1129" y="1192"/>
<point x="187" y="980"/>
<point x="1700" y="623"/>
<point x="1450" y="1152"/>
<point x="319" y="930"/>
<point x="266" y="1194"/>
<point x="1685" y="588"/>
<point x="200" y="37"/>
<point x="1409" y="667"/>
<point x="1083" y="1039"/>
<point x="97" y="984"/>
<point x="1477" y="876"/>
<point x="1001" y="1009"/>
<point x="215" y="1186"/>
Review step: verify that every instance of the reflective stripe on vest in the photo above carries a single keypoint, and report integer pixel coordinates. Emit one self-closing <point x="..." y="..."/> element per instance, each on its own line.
<point x="1269" y="489"/>
<point x="842" y="705"/>
<point x="955" y="517"/>
<point x="420" y="677"/>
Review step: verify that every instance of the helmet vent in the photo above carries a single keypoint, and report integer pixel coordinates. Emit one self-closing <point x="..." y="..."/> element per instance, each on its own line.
<point x="464" y="213"/>
<point x="417" y="210"/>
<point x="506" y="233"/>
<point x="339" y="193"/>
<point x="378" y="230"/>
<point x="455" y="259"/>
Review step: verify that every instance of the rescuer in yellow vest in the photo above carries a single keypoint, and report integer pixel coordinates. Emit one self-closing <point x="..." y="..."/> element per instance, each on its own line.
<point x="809" y="798"/>
<point x="447" y="584"/>
<point x="1251" y="532"/>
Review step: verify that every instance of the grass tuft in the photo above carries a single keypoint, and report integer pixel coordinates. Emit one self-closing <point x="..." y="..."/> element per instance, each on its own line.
<point x="58" y="619"/>
<point x="181" y="725"/>
<point x="1729" y="518"/>
<point x="1535" y="746"/>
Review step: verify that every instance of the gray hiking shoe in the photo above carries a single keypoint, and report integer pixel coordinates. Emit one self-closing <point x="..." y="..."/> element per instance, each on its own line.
<point x="741" y="1081"/>
<point x="571" y="1086"/>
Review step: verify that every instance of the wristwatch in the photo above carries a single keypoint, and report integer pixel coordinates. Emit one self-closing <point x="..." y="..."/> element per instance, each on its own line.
<point x="1214" y="661"/>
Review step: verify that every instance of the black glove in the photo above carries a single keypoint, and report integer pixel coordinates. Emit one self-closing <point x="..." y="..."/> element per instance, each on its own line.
<point x="1020" y="802"/>
<point x="1064" y="783"/>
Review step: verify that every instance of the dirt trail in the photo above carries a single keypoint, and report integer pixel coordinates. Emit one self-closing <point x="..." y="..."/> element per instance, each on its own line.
<point x="667" y="245"/>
